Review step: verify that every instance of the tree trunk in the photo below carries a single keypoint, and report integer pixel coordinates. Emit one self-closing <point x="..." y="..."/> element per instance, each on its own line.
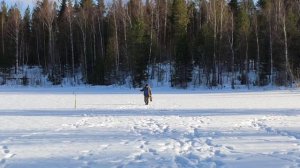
<point x="50" y="47"/>
<point x="271" y="51"/>
<point x="17" y="50"/>
<point x="288" y="71"/>
<point x="94" y="44"/>
<point x="37" y="49"/>
<point x="84" y="55"/>
<point x="232" y="52"/>
<point x="247" y="63"/>
<point x="45" y="57"/>
<point x="220" y="81"/>
<point x="215" y="45"/>
<point x="125" y="39"/>
<point x="21" y="52"/>
<point x="85" y="59"/>
<point x="27" y="51"/>
<point x="151" y="37"/>
<point x="72" y="47"/>
<point x="2" y="31"/>
<point x="44" y="49"/>
<point x="158" y="41"/>
<point x="258" y="54"/>
<point x="165" y="26"/>
<point x="116" y="43"/>
<point x="101" y="38"/>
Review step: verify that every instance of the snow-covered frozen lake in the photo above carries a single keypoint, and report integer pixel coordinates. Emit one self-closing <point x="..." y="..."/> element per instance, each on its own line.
<point x="103" y="128"/>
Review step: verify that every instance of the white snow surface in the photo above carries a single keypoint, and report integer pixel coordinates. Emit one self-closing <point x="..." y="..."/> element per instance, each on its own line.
<point x="103" y="127"/>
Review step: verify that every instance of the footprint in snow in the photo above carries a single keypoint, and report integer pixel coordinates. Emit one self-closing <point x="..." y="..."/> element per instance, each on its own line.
<point x="5" y="149"/>
<point x="182" y="162"/>
<point x="2" y="161"/>
<point x="209" y="142"/>
<point x="140" y="147"/>
<point x="229" y="147"/>
<point x="238" y="158"/>
<point x="8" y="140"/>
<point x="86" y="153"/>
<point x="152" y="151"/>
<point x="78" y="158"/>
<point x="87" y="164"/>
<point x="218" y="153"/>
<point x="105" y="146"/>
<point x="9" y="155"/>
<point x="124" y="142"/>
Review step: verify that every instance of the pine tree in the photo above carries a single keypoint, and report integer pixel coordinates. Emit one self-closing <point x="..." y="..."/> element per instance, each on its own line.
<point x="109" y="62"/>
<point x="26" y="35"/>
<point x="267" y="59"/>
<point x="86" y="4"/>
<point x="100" y="73"/>
<point x="233" y="4"/>
<point x="244" y="31"/>
<point x="63" y="35"/>
<point x="62" y="9"/>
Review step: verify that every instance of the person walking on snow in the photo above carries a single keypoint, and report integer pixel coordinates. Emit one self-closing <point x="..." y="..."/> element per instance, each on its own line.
<point x="147" y="94"/>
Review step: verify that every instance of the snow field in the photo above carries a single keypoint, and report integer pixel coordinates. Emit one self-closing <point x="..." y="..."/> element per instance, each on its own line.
<point x="181" y="130"/>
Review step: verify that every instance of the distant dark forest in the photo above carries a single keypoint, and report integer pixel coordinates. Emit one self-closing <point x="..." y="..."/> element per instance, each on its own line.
<point x="109" y="43"/>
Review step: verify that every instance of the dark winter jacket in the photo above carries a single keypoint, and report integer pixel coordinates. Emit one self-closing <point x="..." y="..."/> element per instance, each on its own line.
<point x="147" y="91"/>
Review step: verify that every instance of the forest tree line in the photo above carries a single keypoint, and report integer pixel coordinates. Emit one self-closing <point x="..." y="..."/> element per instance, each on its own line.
<point x="109" y="43"/>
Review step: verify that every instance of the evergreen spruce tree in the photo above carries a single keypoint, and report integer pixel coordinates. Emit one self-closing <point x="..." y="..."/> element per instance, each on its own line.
<point x="63" y="38"/>
<point x="244" y="31"/>
<point x="137" y="45"/>
<point x="109" y="65"/>
<point x="26" y="35"/>
<point x="101" y="72"/>
<point x="183" y="60"/>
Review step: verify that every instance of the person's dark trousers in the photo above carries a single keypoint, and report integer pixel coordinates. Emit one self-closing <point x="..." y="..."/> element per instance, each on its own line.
<point x="146" y="99"/>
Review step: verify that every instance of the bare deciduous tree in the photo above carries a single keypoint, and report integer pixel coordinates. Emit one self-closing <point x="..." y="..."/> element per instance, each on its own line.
<point x="14" y="30"/>
<point x="47" y="15"/>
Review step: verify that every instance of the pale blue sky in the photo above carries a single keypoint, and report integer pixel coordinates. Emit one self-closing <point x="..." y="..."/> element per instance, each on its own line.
<point x="20" y="2"/>
<point x="24" y="3"/>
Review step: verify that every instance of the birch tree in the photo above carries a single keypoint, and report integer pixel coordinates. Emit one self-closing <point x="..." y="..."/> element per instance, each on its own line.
<point x="14" y="18"/>
<point x="283" y="5"/>
<point x="47" y="15"/>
